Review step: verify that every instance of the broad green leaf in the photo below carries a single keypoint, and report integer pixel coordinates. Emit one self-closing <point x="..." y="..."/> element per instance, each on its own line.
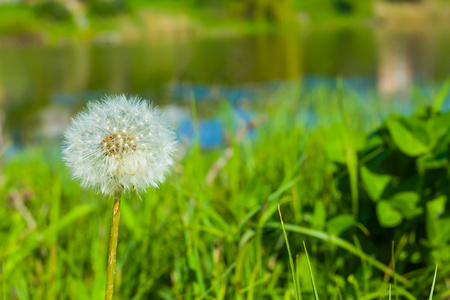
<point x="340" y="223"/>
<point x="374" y="141"/>
<point x="374" y="183"/>
<point x="442" y="234"/>
<point x="407" y="138"/>
<point x="406" y="204"/>
<point x="436" y="207"/>
<point x="437" y="127"/>
<point x="434" y="224"/>
<point x="432" y="161"/>
<point x="388" y="216"/>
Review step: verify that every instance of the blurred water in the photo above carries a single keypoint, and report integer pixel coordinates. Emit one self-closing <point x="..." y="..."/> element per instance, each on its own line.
<point x="41" y="87"/>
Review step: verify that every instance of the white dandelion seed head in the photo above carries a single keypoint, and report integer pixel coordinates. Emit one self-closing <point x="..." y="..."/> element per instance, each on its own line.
<point x="119" y="143"/>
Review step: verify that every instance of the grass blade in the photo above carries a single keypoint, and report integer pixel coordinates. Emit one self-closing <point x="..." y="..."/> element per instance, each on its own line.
<point x="441" y="96"/>
<point x="350" y="149"/>
<point x="338" y="292"/>
<point x="434" y="282"/>
<point x="297" y="272"/>
<point x="404" y="294"/>
<point x="395" y="277"/>
<point x="363" y="264"/>
<point x="310" y="273"/>
<point x="340" y="243"/>
<point x="291" y="261"/>
<point x="224" y="275"/>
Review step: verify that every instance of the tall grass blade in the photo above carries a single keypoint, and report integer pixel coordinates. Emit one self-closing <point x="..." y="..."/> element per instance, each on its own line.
<point x="338" y="242"/>
<point x="338" y="292"/>
<point x="194" y="115"/>
<point x="316" y="296"/>
<point x="291" y="261"/>
<point x="363" y="264"/>
<point x="404" y="294"/>
<point x="350" y="149"/>
<point x="437" y="106"/>
<point x="224" y="275"/>
<point x="394" y="274"/>
<point x="434" y="282"/>
<point x="390" y="294"/>
<point x="297" y="272"/>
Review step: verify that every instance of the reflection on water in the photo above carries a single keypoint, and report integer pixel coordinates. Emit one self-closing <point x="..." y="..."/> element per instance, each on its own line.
<point x="41" y="87"/>
<point x="403" y="56"/>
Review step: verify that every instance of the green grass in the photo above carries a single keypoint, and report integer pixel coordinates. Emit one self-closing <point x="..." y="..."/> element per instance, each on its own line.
<point x="434" y="282"/>
<point x="298" y="293"/>
<point x="224" y="240"/>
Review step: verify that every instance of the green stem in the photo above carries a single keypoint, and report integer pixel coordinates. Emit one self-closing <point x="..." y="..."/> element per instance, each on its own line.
<point x="113" y="247"/>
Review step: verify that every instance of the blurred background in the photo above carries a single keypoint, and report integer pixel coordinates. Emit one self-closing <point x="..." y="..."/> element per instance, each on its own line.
<point x="56" y="55"/>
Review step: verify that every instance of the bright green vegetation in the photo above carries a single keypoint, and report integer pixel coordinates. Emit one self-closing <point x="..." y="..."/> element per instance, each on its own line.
<point x="49" y="20"/>
<point x="367" y="196"/>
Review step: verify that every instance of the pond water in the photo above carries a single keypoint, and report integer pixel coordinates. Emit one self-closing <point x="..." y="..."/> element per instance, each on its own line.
<point x="42" y="86"/>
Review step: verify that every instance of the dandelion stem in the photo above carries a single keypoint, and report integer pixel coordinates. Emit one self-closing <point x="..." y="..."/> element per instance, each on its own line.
<point x="113" y="247"/>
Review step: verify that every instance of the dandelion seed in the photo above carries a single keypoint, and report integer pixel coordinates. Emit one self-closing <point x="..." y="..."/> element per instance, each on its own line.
<point x="105" y="157"/>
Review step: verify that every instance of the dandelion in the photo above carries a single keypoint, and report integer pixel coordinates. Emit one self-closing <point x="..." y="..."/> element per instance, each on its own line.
<point x="119" y="145"/>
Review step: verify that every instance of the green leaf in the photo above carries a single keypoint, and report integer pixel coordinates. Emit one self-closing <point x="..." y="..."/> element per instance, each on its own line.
<point x="436" y="207"/>
<point x="340" y="223"/>
<point x="437" y="126"/>
<point x="374" y="141"/>
<point x="432" y="161"/>
<point x="388" y="216"/>
<point x="406" y="204"/>
<point x="374" y="183"/>
<point x="438" y="228"/>
<point x="407" y="135"/>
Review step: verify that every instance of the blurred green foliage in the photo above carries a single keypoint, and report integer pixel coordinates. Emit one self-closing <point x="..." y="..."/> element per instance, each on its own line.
<point x="53" y="10"/>
<point x="104" y="8"/>
<point x="248" y="12"/>
<point x="17" y="19"/>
